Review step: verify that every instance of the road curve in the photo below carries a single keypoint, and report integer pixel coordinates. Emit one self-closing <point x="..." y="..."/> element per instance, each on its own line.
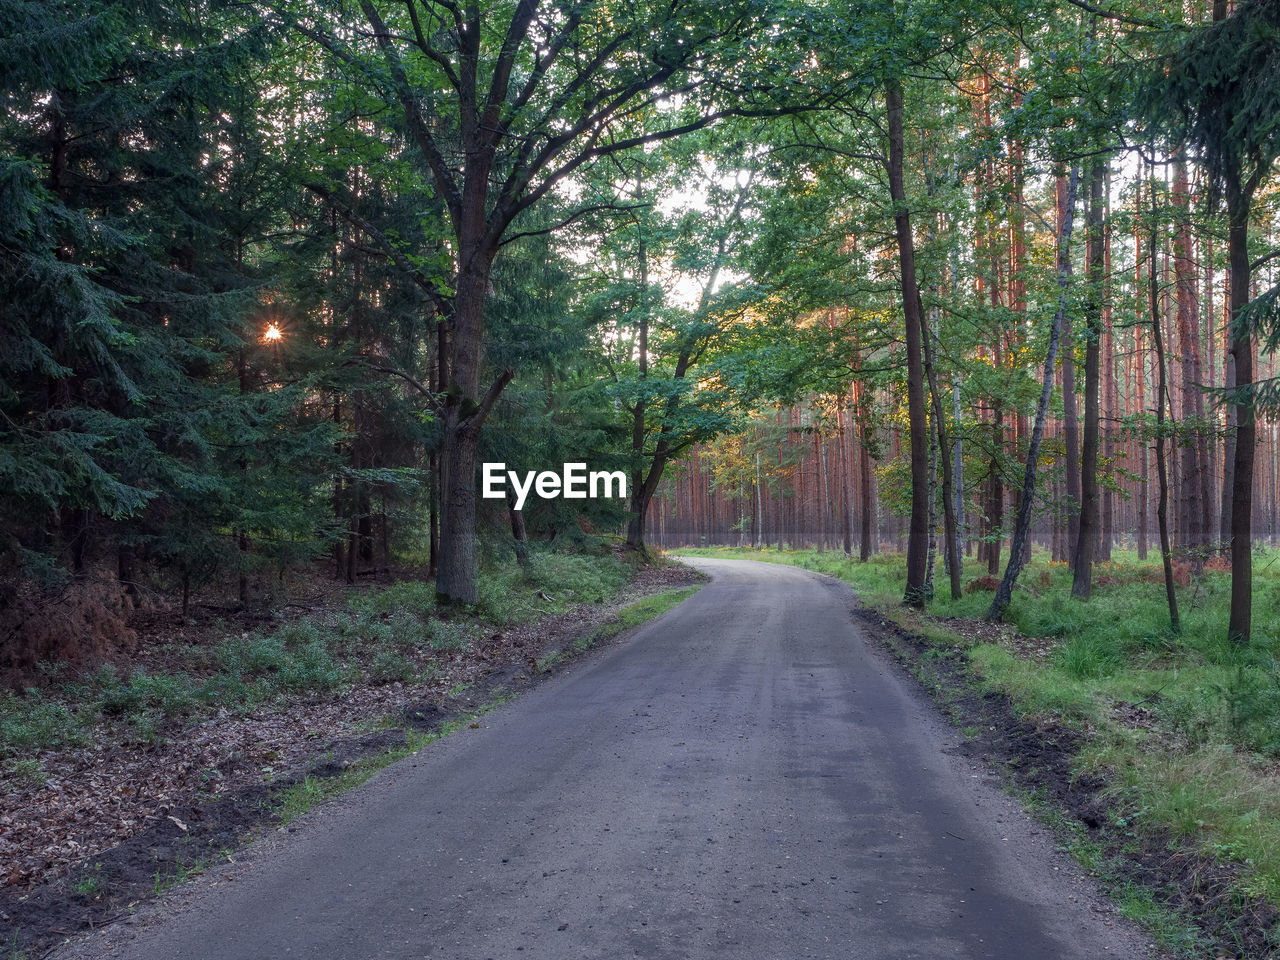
<point x="746" y="777"/>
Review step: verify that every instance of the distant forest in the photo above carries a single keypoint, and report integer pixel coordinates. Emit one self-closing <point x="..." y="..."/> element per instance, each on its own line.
<point x="955" y="279"/>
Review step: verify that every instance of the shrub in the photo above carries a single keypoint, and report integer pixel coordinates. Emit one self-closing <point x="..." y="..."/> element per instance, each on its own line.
<point x="251" y="655"/>
<point x="31" y="720"/>
<point x="389" y="666"/>
<point x="170" y="694"/>
<point x="413" y="597"/>
<point x="1086" y="657"/>
<point x="448" y="635"/>
<point x="311" y="668"/>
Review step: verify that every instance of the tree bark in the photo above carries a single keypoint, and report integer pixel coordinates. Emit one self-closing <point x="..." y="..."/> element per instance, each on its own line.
<point x="995" y="490"/>
<point x="918" y="539"/>
<point x="519" y="538"/>
<point x="1162" y="506"/>
<point x="1186" y="280"/>
<point x="458" y="577"/>
<point x="1239" y="626"/>
<point x="1087" y="532"/>
<point x="1004" y="593"/>
<point x="1109" y="405"/>
<point x="950" y="538"/>
<point x="866" y="495"/>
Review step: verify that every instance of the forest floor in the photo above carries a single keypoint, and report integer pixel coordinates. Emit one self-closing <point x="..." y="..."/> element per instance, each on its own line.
<point x="1154" y="756"/>
<point x="121" y="782"/>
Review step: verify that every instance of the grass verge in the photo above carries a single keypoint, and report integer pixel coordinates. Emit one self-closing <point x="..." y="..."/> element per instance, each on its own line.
<point x="632" y="615"/>
<point x="379" y="636"/>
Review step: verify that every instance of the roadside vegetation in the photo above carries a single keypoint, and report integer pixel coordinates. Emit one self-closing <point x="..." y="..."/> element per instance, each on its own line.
<point x="376" y="636"/>
<point x="1185" y="727"/>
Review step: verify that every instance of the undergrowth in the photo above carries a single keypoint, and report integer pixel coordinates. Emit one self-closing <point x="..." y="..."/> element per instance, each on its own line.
<point x="384" y="634"/>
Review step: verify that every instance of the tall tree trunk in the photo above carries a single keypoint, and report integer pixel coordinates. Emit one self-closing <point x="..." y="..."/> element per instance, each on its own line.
<point x="519" y="538"/>
<point x="1004" y="593"/>
<point x="1087" y="533"/>
<point x="1070" y="415"/>
<point x="918" y="541"/>
<point x="1212" y="533"/>
<point x="866" y="494"/>
<point x="957" y="475"/>
<point x="465" y="411"/>
<point x="995" y="491"/>
<point x="1232" y="419"/>
<point x="950" y="539"/>
<point x="1140" y="400"/>
<point x="1186" y="279"/>
<point x="1240" y="625"/>
<point x="440" y="378"/>
<point x="931" y="563"/>
<point x="1162" y="507"/>
<point x="846" y="480"/>
<point x="1109" y="404"/>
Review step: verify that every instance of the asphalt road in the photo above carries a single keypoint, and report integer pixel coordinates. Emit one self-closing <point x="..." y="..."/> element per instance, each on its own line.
<point x="745" y="777"/>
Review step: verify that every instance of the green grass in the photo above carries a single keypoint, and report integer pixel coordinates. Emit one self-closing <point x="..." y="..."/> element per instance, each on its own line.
<point x="1207" y="770"/>
<point x="33" y="721"/>
<point x="386" y="634"/>
<point x="168" y="879"/>
<point x="1171" y="931"/>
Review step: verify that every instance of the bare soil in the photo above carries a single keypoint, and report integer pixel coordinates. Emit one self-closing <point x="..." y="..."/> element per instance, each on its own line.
<point x="1037" y="756"/>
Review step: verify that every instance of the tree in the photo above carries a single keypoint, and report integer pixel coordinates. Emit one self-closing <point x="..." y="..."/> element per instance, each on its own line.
<point x="1218" y="93"/>
<point x="658" y="348"/>
<point x="1004" y="592"/>
<point x="503" y="104"/>
<point x="917" y="540"/>
<point x="1087" y="538"/>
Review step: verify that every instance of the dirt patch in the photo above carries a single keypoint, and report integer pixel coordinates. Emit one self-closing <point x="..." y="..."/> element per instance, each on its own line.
<point x="85" y="620"/>
<point x="1038" y="757"/>
<point x="117" y="825"/>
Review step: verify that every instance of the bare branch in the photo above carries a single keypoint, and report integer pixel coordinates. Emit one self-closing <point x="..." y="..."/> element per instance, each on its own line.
<point x="377" y="236"/>
<point x="474" y="421"/>
<point x="572" y="218"/>
<point x="417" y="124"/>
<point x="1263" y="259"/>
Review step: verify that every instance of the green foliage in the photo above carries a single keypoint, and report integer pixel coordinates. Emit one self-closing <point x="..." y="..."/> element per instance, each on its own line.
<point x="167" y="694"/>
<point x="412" y="597"/>
<point x="1218" y="92"/>
<point x="31" y="721"/>
<point x="1086" y="658"/>
<point x="390" y="665"/>
<point x="295" y="659"/>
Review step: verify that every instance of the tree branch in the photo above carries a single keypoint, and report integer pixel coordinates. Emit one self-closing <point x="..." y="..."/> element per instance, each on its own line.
<point x="1121" y="17"/>
<point x="474" y="421"/>
<point x="377" y="236"/>
<point x="417" y="124"/>
<point x="573" y="217"/>
<point x="501" y="81"/>
<point x="425" y="46"/>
